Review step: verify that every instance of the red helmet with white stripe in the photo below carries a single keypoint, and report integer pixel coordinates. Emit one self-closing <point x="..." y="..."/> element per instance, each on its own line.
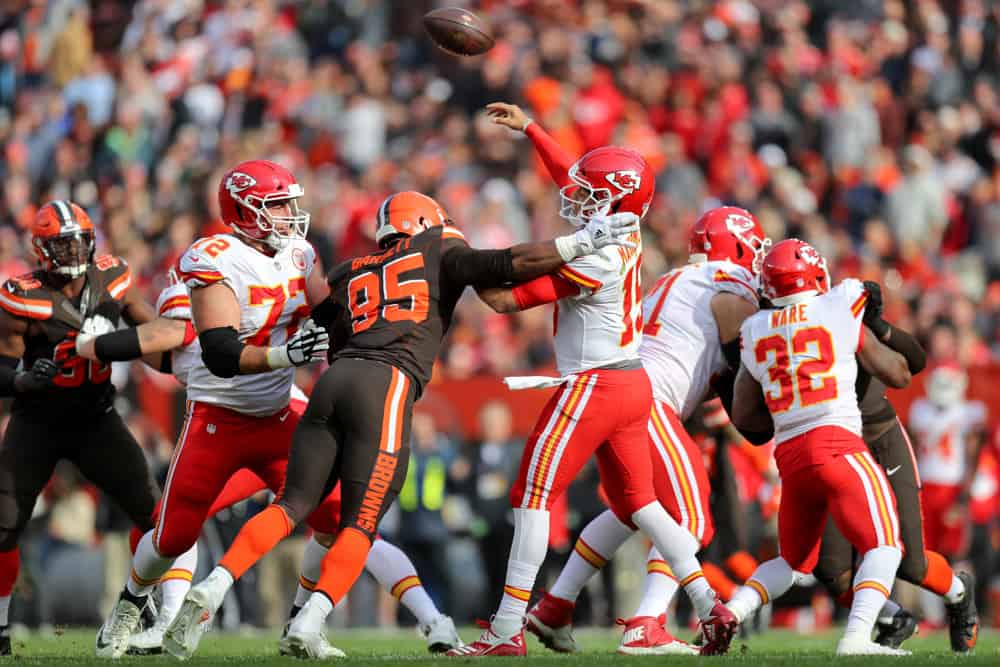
<point x="62" y="237"/>
<point x="248" y="194"/>
<point x="607" y="180"/>
<point x="792" y="272"/>
<point x="729" y="233"/>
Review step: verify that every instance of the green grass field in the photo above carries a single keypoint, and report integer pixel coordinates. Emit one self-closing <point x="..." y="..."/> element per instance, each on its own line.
<point x="373" y="647"/>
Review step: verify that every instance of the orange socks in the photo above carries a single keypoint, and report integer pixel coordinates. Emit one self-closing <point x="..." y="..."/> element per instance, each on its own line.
<point x="718" y="580"/>
<point x="343" y="564"/>
<point x="742" y="565"/>
<point x="256" y="538"/>
<point x="939" y="573"/>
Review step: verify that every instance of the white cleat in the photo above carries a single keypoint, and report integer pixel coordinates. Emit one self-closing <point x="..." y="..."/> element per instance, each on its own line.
<point x="308" y="645"/>
<point x="113" y="637"/>
<point x="148" y="642"/>
<point x="441" y="634"/>
<point x="194" y="619"/>
<point x="864" y="646"/>
<point x="304" y="638"/>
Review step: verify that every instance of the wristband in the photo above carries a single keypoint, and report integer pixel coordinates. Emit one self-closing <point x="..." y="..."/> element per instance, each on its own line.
<point x="277" y="357"/>
<point x="122" y="345"/>
<point x="568" y="247"/>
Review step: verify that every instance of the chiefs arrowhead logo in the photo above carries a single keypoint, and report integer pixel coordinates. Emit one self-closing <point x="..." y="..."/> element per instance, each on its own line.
<point x="626" y="180"/>
<point x="810" y="256"/>
<point x="238" y="182"/>
<point x="738" y="224"/>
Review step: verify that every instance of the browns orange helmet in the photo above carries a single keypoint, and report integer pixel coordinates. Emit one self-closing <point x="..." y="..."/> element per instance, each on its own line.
<point x="62" y="237"/>
<point x="407" y="214"/>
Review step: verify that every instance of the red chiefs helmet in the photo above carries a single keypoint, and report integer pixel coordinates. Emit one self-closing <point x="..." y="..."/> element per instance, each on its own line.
<point x="407" y="213"/>
<point x="731" y="233"/>
<point x="62" y="237"/>
<point x="607" y="180"/>
<point x="792" y="272"/>
<point x="245" y="195"/>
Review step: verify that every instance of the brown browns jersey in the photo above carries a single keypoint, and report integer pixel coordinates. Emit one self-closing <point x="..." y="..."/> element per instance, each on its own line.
<point x="53" y="323"/>
<point x="398" y="304"/>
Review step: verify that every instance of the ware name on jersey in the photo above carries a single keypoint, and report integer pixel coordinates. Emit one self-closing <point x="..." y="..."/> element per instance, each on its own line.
<point x="271" y="292"/>
<point x="680" y="348"/>
<point x="803" y="356"/>
<point x="943" y="434"/>
<point x="602" y="325"/>
<point x="54" y="321"/>
<point x="399" y="302"/>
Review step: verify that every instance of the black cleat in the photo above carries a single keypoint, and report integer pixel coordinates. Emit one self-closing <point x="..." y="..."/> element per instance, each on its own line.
<point x="963" y="618"/>
<point x="5" y="640"/>
<point x="896" y="630"/>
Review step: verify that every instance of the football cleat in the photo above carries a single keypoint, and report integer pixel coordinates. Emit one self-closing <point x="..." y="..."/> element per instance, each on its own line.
<point x="865" y="646"/>
<point x="194" y="619"/>
<point x="963" y="618"/>
<point x="113" y="636"/>
<point x="309" y="645"/>
<point x="645" y="635"/>
<point x="441" y="634"/>
<point x="551" y="620"/>
<point x="718" y="630"/>
<point x="148" y="642"/>
<point x="896" y="630"/>
<point x="491" y="644"/>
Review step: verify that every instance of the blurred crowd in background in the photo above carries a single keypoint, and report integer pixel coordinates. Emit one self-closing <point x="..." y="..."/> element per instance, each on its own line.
<point x="869" y="128"/>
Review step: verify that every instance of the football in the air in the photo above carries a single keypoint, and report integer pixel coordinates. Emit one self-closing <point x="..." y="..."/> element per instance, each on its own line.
<point x="458" y="31"/>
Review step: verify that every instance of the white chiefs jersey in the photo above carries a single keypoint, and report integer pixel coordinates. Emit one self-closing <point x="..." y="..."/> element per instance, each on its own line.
<point x="174" y="303"/>
<point x="272" y="295"/>
<point x="943" y="436"/>
<point x="681" y="350"/>
<point x="602" y="325"/>
<point x="803" y="356"/>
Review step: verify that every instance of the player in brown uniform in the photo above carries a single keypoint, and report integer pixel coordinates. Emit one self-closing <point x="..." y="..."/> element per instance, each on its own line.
<point x="394" y="308"/>
<point x="890" y="446"/>
<point x="63" y="403"/>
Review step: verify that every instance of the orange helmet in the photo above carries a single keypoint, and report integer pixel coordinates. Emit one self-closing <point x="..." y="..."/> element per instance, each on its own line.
<point x="62" y="236"/>
<point x="407" y="213"/>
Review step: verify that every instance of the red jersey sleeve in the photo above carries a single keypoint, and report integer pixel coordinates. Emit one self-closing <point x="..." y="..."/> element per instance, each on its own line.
<point x="556" y="159"/>
<point x="544" y="289"/>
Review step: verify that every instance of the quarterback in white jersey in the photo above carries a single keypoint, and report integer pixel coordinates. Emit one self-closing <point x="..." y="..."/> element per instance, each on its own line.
<point x="950" y="431"/>
<point x="799" y="365"/>
<point x="602" y="404"/>
<point x="691" y="317"/>
<point x="250" y="291"/>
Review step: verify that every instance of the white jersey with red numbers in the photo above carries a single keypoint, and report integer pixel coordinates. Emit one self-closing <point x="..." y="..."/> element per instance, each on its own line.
<point x="803" y="356"/>
<point x="943" y="434"/>
<point x="681" y="350"/>
<point x="602" y="325"/>
<point x="271" y="292"/>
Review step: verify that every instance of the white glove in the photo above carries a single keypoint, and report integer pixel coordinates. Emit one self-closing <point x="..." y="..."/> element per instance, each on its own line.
<point x="92" y="327"/>
<point x="600" y="231"/>
<point x="309" y="344"/>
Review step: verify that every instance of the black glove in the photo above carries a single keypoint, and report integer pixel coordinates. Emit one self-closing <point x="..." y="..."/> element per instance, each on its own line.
<point x="873" y="310"/>
<point x="40" y="376"/>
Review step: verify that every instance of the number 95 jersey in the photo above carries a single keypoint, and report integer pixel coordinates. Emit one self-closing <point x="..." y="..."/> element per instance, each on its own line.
<point x="271" y="292"/>
<point x="803" y="356"/>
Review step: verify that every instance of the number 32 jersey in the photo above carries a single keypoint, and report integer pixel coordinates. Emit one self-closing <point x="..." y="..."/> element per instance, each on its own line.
<point x="271" y="292"/>
<point x="803" y="356"/>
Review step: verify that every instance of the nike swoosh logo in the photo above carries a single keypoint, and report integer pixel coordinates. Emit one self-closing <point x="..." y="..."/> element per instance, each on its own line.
<point x="284" y="417"/>
<point x="892" y="471"/>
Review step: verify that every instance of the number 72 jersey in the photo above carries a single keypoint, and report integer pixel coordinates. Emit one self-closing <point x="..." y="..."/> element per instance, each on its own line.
<point x="271" y="292"/>
<point x="803" y="356"/>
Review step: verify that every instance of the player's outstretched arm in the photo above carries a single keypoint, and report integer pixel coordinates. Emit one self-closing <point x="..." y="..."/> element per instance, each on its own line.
<point x="99" y="343"/>
<point x="749" y="410"/>
<point x="136" y="310"/>
<point x="887" y="365"/>
<point x="899" y="340"/>
<point x="216" y="315"/>
<point x="543" y="289"/>
<point x="556" y="160"/>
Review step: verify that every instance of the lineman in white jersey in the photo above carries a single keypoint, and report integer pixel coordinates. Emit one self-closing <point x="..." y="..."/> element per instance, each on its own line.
<point x="799" y="366"/>
<point x="692" y="317"/>
<point x="387" y="563"/>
